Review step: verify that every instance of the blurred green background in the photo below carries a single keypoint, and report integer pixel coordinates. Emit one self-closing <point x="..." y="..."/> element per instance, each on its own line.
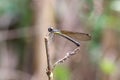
<point x="23" y="26"/>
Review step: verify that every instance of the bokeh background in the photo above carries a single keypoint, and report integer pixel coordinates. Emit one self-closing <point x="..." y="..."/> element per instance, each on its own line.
<point x="24" y="24"/>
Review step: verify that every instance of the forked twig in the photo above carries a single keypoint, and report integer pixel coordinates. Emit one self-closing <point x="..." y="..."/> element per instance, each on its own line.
<point x="67" y="56"/>
<point x="50" y="68"/>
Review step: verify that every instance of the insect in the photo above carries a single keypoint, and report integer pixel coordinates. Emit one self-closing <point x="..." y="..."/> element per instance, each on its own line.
<point x="74" y="37"/>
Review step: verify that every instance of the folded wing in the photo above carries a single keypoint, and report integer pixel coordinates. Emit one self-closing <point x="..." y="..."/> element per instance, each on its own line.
<point x="77" y="36"/>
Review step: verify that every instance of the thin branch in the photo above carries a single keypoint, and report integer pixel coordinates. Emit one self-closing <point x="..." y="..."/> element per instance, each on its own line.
<point x="49" y="70"/>
<point x="68" y="55"/>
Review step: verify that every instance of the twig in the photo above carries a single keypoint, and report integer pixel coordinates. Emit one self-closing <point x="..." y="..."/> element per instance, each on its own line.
<point x="68" y="55"/>
<point x="49" y="70"/>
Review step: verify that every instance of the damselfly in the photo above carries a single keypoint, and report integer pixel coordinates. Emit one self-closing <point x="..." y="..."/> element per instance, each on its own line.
<point x="74" y="37"/>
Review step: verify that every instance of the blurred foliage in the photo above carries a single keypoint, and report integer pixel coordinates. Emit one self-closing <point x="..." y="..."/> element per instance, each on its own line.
<point x="61" y="73"/>
<point x="107" y="66"/>
<point x="21" y="9"/>
<point x="95" y="45"/>
<point x="98" y="23"/>
<point x="108" y="19"/>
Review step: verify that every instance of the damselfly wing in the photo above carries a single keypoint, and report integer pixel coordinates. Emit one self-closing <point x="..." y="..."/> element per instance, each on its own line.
<point x="72" y="36"/>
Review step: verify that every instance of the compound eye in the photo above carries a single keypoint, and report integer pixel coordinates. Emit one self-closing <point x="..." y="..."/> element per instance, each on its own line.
<point x="50" y="29"/>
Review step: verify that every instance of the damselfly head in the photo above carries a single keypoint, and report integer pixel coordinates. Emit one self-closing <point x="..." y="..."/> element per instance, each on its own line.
<point x="50" y="29"/>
